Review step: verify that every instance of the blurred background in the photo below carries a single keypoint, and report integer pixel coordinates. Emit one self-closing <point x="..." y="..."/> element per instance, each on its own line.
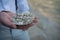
<point x="48" y="13"/>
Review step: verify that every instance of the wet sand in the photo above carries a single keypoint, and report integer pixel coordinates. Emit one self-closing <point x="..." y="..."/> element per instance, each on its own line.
<point x="48" y="25"/>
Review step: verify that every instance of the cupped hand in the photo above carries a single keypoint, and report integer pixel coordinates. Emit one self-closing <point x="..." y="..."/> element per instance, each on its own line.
<point x="25" y="27"/>
<point x="5" y="19"/>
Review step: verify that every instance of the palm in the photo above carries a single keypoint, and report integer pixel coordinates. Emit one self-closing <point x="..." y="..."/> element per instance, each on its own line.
<point x="27" y="26"/>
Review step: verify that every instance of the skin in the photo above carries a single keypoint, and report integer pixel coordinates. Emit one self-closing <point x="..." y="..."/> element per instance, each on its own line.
<point x="5" y="19"/>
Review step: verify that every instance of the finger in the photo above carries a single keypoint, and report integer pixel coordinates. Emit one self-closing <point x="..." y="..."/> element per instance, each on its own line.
<point x="34" y="20"/>
<point x="5" y="21"/>
<point x="35" y="17"/>
<point x="8" y="12"/>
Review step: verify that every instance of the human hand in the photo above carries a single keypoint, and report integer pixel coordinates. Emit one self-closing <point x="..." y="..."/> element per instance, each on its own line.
<point x="5" y="19"/>
<point x="25" y="27"/>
